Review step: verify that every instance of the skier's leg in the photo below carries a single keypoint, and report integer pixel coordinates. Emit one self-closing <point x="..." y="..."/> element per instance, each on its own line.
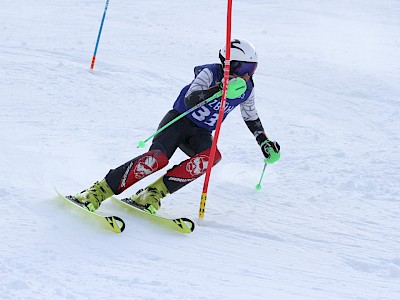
<point x="196" y="144"/>
<point x="189" y="170"/>
<point x="175" y="179"/>
<point x="198" y="147"/>
<point x="169" y="139"/>
<point x="119" y="179"/>
<point x="129" y="173"/>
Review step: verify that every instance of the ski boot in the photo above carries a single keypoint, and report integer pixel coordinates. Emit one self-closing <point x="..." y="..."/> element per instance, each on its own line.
<point x="96" y="194"/>
<point x="149" y="197"/>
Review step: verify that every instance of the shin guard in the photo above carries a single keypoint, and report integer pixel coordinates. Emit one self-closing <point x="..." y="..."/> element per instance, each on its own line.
<point x="124" y="176"/>
<point x="188" y="170"/>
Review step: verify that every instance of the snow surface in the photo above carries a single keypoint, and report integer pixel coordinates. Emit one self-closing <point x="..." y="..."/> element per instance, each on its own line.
<point x="325" y="224"/>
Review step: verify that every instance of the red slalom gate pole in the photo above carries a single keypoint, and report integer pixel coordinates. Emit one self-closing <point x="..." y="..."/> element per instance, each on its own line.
<point x="221" y="110"/>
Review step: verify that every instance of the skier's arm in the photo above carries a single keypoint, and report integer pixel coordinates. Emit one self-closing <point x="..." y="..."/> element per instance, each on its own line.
<point x="197" y="97"/>
<point x="270" y="150"/>
<point x="250" y="117"/>
<point x="200" y="88"/>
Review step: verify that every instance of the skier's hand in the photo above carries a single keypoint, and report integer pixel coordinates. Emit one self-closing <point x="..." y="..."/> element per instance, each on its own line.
<point x="271" y="151"/>
<point x="236" y="87"/>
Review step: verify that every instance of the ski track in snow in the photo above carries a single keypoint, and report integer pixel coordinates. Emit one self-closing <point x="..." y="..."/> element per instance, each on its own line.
<point x="325" y="224"/>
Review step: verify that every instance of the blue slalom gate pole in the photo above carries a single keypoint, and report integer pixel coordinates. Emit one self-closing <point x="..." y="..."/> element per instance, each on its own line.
<point x="98" y="36"/>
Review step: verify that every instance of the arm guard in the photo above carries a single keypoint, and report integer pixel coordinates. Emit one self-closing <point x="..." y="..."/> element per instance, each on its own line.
<point x="257" y="129"/>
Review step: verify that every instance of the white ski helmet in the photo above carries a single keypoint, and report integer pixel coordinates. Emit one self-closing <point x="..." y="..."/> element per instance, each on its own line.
<point x="241" y="50"/>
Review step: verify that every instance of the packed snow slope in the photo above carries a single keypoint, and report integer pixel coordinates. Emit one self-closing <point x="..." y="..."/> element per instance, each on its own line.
<point x="325" y="224"/>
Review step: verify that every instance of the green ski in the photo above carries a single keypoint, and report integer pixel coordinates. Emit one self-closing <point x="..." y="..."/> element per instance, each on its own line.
<point x="112" y="223"/>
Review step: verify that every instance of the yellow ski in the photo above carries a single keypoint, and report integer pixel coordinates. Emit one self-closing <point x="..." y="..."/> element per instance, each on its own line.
<point x="112" y="223"/>
<point x="183" y="225"/>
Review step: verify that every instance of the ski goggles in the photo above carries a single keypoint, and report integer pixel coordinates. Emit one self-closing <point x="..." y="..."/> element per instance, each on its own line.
<point x="241" y="68"/>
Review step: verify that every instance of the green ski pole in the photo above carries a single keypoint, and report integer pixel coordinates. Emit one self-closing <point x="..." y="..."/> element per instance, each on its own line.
<point x="258" y="185"/>
<point x="142" y="144"/>
<point x="236" y="88"/>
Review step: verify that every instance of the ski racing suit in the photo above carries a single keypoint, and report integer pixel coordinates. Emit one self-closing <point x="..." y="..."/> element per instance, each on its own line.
<point x="192" y="133"/>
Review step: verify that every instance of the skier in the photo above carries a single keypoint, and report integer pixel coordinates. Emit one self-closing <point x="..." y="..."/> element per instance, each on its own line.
<point x="192" y="133"/>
